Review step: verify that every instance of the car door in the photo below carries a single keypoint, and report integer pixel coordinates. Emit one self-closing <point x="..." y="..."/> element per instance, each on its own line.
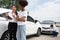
<point x="30" y="25"/>
<point x="3" y="23"/>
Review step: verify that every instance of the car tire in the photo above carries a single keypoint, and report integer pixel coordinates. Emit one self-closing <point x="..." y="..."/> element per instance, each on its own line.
<point x="5" y="36"/>
<point x="38" y="32"/>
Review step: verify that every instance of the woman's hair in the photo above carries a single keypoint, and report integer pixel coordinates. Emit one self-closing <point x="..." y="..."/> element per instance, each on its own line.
<point x="23" y="3"/>
<point x="51" y="25"/>
<point x="16" y="13"/>
<point x="16" y="10"/>
<point x="12" y="5"/>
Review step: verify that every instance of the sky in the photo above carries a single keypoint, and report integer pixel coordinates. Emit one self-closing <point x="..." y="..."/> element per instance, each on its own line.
<point x="44" y="9"/>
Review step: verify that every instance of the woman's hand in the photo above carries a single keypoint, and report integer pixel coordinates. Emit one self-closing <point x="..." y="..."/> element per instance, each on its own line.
<point x="13" y="15"/>
<point x="16" y="17"/>
<point x="21" y="19"/>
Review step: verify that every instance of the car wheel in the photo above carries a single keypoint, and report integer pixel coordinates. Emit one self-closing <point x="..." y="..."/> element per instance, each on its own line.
<point x="39" y="32"/>
<point x="5" y="36"/>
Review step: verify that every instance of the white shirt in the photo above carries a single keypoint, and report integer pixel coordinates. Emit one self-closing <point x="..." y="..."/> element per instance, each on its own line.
<point x="55" y="28"/>
<point x="21" y="14"/>
<point x="11" y="15"/>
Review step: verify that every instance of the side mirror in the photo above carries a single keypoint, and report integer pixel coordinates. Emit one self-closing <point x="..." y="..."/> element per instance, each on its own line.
<point x="36" y="21"/>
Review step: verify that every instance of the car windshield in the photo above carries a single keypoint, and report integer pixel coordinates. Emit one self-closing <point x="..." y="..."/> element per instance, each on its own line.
<point x="47" y="22"/>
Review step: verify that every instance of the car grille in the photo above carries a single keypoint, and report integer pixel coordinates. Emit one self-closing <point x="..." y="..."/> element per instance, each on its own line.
<point x="45" y="28"/>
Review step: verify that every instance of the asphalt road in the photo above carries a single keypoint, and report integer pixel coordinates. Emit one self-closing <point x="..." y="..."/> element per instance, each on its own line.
<point x="44" y="37"/>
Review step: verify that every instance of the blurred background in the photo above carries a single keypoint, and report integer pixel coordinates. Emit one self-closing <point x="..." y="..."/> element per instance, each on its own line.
<point x="38" y="9"/>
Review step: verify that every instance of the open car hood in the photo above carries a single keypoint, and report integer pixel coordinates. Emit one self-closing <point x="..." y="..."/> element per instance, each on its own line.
<point x="46" y="25"/>
<point x="3" y="10"/>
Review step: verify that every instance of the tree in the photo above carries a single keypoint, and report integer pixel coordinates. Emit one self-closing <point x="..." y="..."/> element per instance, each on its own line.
<point x="8" y="3"/>
<point x="4" y="3"/>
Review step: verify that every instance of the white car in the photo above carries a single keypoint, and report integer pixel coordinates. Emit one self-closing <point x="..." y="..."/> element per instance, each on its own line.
<point x="32" y="27"/>
<point x="46" y="26"/>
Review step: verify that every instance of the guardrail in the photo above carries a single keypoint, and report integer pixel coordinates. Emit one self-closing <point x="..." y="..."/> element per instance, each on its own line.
<point x="57" y="24"/>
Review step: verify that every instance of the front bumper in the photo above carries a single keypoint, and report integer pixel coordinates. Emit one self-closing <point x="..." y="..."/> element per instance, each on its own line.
<point x="47" y="31"/>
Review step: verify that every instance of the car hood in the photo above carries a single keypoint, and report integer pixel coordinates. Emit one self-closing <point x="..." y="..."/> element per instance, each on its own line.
<point x="46" y="25"/>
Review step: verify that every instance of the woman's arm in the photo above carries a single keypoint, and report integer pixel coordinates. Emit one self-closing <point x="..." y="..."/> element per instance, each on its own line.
<point x="6" y="16"/>
<point x="21" y="19"/>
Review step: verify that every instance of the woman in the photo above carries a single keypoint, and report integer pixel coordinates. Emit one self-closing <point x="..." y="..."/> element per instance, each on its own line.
<point x="21" y="19"/>
<point x="12" y="27"/>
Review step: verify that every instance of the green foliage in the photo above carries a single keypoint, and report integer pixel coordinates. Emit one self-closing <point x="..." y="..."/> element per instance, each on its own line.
<point x="8" y="3"/>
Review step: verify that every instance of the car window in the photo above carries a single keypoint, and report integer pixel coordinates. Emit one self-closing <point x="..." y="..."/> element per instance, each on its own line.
<point x="29" y="18"/>
<point x="2" y="15"/>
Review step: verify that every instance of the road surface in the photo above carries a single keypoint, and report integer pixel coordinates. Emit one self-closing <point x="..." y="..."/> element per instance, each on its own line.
<point x="44" y="37"/>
